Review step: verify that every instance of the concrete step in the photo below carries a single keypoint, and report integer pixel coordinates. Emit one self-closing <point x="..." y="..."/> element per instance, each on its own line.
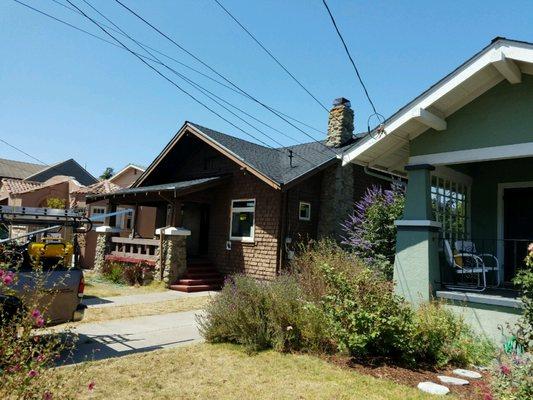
<point x="199" y="288"/>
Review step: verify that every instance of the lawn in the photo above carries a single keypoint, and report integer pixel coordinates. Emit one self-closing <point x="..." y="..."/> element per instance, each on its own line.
<point x="139" y="310"/>
<point x="97" y="286"/>
<point x="226" y="372"/>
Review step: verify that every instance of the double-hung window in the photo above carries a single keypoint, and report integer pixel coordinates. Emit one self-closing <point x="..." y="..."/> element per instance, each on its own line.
<point x="97" y="211"/>
<point x="242" y="224"/>
<point x="304" y="211"/>
<point x="451" y="202"/>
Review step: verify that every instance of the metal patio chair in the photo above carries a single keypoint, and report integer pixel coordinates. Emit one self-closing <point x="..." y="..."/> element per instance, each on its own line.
<point x="467" y="262"/>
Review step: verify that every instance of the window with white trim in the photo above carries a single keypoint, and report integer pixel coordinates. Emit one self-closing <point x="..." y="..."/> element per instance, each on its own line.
<point x="124" y="221"/>
<point x="451" y="202"/>
<point x="304" y="211"/>
<point x="96" y="211"/>
<point x="242" y="224"/>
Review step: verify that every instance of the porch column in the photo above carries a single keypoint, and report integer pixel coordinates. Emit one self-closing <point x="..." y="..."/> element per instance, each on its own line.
<point x="103" y="245"/>
<point x="172" y="260"/>
<point x="416" y="266"/>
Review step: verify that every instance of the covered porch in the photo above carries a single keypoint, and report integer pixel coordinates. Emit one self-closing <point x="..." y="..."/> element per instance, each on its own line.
<point x="183" y="206"/>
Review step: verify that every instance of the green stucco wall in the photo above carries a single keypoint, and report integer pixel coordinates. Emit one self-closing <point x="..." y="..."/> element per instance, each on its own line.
<point x="501" y="116"/>
<point x="485" y="319"/>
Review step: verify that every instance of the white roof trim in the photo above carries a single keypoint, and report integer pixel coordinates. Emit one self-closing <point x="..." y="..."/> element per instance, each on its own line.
<point x="124" y="170"/>
<point x="501" y="51"/>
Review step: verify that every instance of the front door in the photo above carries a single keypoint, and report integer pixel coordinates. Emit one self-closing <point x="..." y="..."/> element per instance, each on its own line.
<point x="518" y="228"/>
<point x="196" y="218"/>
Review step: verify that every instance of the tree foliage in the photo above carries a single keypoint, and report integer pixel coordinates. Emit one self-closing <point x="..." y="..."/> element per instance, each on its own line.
<point x="108" y="173"/>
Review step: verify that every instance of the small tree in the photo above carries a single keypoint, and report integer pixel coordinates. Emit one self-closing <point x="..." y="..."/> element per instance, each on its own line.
<point x="108" y="173"/>
<point x="55" y="202"/>
<point x="370" y="231"/>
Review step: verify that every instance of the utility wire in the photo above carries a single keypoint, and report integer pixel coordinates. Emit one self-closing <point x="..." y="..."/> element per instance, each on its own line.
<point x="167" y="78"/>
<point x="218" y="73"/>
<point x="23" y="152"/>
<point x="166" y="56"/>
<point x="198" y="87"/>
<point x="270" y="54"/>
<point x="349" y="56"/>
<point x="212" y="96"/>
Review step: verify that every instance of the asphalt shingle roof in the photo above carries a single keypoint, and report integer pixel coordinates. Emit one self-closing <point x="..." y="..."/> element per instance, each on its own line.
<point x="19" y="169"/>
<point x="275" y="162"/>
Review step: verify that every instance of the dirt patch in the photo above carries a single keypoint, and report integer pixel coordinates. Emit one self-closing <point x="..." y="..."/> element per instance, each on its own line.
<point x="382" y="369"/>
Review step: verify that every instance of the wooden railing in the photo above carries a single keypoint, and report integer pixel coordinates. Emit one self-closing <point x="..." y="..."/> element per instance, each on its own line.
<point x="140" y="249"/>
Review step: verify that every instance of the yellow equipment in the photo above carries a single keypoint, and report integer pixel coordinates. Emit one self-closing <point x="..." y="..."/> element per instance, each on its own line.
<point x="55" y="252"/>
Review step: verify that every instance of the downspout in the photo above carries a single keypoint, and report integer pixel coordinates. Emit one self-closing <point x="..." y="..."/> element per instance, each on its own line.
<point x="282" y="231"/>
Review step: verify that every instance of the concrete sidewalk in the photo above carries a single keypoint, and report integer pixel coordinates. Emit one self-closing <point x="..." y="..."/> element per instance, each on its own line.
<point x="146" y="298"/>
<point x="120" y="337"/>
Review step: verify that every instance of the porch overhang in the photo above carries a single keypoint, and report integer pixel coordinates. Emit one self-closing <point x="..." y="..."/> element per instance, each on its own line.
<point x="158" y="193"/>
<point x="389" y="152"/>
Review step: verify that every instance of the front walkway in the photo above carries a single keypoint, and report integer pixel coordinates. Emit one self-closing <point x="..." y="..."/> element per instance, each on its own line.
<point x="120" y="337"/>
<point x="146" y="298"/>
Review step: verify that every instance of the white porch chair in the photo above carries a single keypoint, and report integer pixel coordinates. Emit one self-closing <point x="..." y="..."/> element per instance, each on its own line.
<point x="475" y="263"/>
<point x="467" y="246"/>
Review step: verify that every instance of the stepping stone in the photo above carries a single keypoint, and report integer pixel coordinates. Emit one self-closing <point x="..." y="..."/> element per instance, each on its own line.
<point x="433" y="388"/>
<point x="467" y="374"/>
<point x="452" y="380"/>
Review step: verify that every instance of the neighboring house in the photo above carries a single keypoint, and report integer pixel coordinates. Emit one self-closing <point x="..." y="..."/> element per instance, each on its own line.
<point x="123" y="225"/>
<point x="249" y="206"/>
<point x="41" y="173"/>
<point x="466" y="147"/>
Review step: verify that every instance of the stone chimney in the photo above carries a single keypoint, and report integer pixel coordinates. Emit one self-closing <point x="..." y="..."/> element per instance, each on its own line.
<point x="340" y="123"/>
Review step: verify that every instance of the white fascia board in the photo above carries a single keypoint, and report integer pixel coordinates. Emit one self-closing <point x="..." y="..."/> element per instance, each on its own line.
<point x="429" y="119"/>
<point x="475" y="155"/>
<point x="507" y="68"/>
<point x="515" y="51"/>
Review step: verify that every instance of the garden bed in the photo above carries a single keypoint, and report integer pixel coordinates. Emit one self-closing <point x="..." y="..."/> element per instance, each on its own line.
<point x="381" y="369"/>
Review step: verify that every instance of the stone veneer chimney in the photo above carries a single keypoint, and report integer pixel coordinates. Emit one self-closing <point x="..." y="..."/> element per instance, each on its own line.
<point x="340" y="123"/>
<point x="337" y="188"/>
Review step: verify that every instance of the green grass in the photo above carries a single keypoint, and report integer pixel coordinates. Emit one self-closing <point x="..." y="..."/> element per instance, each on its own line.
<point x="98" y="286"/>
<point x="226" y="372"/>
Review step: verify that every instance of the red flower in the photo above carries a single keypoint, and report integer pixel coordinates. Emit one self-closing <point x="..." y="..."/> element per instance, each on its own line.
<point x="488" y="396"/>
<point x="505" y="369"/>
<point x="47" y="395"/>
<point x="91" y="386"/>
<point x="32" y="373"/>
<point x="35" y="313"/>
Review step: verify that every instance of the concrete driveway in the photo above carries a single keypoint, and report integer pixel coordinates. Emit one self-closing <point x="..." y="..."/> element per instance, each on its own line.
<point x="126" y="336"/>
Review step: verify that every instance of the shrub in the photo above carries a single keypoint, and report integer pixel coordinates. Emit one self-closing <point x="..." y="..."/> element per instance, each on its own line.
<point x="512" y="377"/>
<point x="370" y="231"/>
<point x="367" y="318"/>
<point x="524" y="280"/>
<point x="113" y="272"/>
<point x="262" y="315"/>
<point x="135" y="274"/>
<point x="442" y="338"/>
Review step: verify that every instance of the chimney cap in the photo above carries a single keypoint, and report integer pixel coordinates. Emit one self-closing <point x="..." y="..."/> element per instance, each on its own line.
<point x="341" y="101"/>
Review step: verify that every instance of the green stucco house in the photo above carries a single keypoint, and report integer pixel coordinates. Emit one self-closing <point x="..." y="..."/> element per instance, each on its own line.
<point x="465" y="148"/>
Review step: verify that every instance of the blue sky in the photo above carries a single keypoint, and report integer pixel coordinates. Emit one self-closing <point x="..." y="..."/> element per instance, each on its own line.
<point x="65" y="94"/>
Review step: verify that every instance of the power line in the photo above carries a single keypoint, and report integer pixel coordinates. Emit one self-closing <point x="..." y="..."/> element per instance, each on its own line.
<point x="349" y="56"/>
<point x="166" y="56"/>
<point x="23" y="152"/>
<point x="270" y="54"/>
<point x="168" y="79"/>
<point x="218" y="73"/>
<point x="197" y="86"/>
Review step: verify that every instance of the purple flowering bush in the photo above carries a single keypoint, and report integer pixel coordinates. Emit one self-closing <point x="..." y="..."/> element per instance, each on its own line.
<point x="370" y="231"/>
<point x="263" y="315"/>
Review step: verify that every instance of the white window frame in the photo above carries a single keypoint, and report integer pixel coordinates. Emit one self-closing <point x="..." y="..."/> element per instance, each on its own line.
<point x="304" y="203"/>
<point x="104" y="208"/>
<point x="120" y="220"/>
<point x="244" y="239"/>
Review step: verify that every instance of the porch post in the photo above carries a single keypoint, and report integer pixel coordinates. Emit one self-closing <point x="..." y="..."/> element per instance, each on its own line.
<point x="416" y="266"/>
<point x="172" y="260"/>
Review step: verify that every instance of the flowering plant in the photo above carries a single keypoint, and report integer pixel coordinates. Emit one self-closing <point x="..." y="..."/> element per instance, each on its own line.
<point x="370" y="231"/>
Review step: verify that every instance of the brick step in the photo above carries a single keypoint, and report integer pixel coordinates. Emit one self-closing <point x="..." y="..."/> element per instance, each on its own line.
<point x="197" y="282"/>
<point x="204" y="275"/>
<point x="199" y="288"/>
